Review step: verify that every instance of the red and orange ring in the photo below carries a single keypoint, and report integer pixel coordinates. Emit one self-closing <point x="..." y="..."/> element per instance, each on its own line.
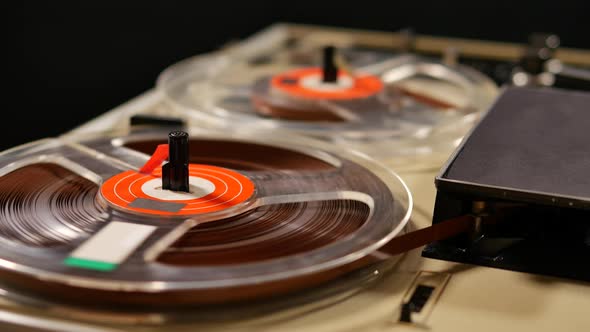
<point x="290" y="83"/>
<point x="227" y="189"/>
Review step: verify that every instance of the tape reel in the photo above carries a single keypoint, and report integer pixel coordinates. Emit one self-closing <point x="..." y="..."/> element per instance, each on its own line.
<point x="80" y="222"/>
<point x="383" y="104"/>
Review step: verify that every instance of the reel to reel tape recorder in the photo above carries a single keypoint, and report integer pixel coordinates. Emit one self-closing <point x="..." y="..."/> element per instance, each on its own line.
<point x="286" y="183"/>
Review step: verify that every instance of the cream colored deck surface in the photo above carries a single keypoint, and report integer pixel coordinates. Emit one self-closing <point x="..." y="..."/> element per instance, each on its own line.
<point x="474" y="299"/>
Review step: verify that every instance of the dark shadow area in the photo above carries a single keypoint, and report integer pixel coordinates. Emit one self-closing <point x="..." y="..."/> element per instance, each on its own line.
<point x="81" y="59"/>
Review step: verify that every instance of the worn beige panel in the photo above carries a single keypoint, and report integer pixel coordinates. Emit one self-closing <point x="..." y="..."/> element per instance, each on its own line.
<point x="474" y="299"/>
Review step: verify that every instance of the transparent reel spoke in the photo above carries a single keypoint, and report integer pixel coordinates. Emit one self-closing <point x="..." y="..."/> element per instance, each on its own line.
<point x="94" y="164"/>
<point x="304" y="186"/>
<point x="272" y="189"/>
<point x="118" y="156"/>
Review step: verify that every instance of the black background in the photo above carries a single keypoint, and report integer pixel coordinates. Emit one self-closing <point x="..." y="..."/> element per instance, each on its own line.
<point x="83" y="58"/>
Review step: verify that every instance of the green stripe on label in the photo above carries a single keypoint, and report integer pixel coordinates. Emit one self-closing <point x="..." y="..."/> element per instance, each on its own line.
<point x="110" y="246"/>
<point x="89" y="264"/>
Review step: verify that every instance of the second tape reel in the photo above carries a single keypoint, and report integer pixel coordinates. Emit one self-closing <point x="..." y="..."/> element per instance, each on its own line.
<point x="387" y="105"/>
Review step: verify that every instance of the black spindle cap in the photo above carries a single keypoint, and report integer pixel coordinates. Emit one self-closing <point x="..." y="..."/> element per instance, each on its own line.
<point x="175" y="172"/>
<point x="330" y="72"/>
